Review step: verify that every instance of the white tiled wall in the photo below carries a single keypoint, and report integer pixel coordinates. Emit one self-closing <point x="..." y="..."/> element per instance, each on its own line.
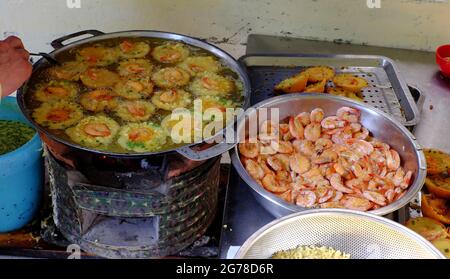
<point x="416" y="24"/>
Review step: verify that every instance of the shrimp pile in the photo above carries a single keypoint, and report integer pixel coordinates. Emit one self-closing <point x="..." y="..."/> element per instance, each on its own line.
<point x="325" y="162"/>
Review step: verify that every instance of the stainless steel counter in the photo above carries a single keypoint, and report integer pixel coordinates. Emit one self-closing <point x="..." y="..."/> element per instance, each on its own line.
<point x="418" y="68"/>
<point x="244" y="215"/>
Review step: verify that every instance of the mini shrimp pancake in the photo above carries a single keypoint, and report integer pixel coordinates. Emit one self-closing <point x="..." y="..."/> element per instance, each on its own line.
<point x="200" y="64"/>
<point x="212" y="84"/>
<point x="135" y="67"/>
<point x="94" y="131"/>
<point x="58" y="115"/>
<point x="69" y="70"/>
<point x="98" y="78"/>
<point x="129" y="49"/>
<point x="135" y="111"/>
<point x="133" y="89"/>
<point x="99" y="100"/>
<point x="98" y="56"/>
<point x="171" y="77"/>
<point x="170" y="53"/>
<point x="215" y="102"/>
<point x="142" y="137"/>
<point x="189" y="129"/>
<point x="57" y="91"/>
<point x="172" y="99"/>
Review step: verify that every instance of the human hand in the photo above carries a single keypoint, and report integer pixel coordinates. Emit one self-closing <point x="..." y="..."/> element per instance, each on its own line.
<point x="15" y="67"/>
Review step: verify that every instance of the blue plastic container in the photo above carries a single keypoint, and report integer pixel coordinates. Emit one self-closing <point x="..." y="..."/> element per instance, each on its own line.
<point x="21" y="175"/>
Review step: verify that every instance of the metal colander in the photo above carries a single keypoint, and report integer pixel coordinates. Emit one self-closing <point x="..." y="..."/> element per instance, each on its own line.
<point x="362" y="235"/>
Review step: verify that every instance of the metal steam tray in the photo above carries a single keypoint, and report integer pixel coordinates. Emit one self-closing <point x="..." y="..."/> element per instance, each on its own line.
<point x="386" y="91"/>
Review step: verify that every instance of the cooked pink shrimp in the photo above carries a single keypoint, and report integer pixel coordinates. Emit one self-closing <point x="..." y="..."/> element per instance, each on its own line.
<point x="332" y="122"/>
<point x="327" y="156"/>
<point x="355" y="127"/>
<point x="306" y="199"/>
<point x="285" y="133"/>
<point x="249" y="150"/>
<point x="266" y="149"/>
<point x="317" y="115"/>
<point x="296" y="128"/>
<point x="362" y="135"/>
<point x="336" y="183"/>
<point x="348" y="114"/>
<point x="254" y="169"/>
<point x="406" y="180"/>
<point x="337" y="196"/>
<point x="361" y="146"/>
<point x="299" y="163"/>
<point x="313" y="131"/>
<point x="284" y="147"/>
<point x="324" y="194"/>
<point x="305" y="118"/>
<point x="390" y="195"/>
<point x="322" y="143"/>
<point x="392" y="159"/>
<point x="273" y="185"/>
<point x="356" y="203"/>
<point x="305" y="147"/>
<point x="375" y="197"/>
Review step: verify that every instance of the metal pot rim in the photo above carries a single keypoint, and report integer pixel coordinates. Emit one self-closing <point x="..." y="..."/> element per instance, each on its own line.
<point x="276" y="201"/>
<point x="183" y="150"/>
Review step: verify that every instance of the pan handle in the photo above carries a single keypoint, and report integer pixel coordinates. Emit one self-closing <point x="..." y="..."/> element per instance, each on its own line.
<point x="206" y="154"/>
<point x="58" y="43"/>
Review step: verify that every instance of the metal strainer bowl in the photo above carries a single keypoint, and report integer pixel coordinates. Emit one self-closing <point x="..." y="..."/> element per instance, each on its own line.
<point x="362" y="235"/>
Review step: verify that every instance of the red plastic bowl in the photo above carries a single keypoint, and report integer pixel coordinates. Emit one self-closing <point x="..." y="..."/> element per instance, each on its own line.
<point x="441" y="53"/>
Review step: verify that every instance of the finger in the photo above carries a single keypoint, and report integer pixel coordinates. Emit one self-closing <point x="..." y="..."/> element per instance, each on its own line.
<point x="23" y="53"/>
<point x="14" y="42"/>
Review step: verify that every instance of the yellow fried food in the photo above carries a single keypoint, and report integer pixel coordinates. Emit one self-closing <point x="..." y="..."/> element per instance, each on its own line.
<point x="98" y="56"/>
<point x="344" y="93"/>
<point x="172" y="99"/>
<point x="58" y="115"/>
<point x="443" y="245"/>
<point x="319" y="73"/>
<point x="293" y="84"/>
<point x="438" y="162"/>
<point x="318" y="87"/>
<point x="212" y="84"/>
<point x="135" y="67"/>
<point x="133" y="89"/>
<point x="129" y="49"/>
<point x="428" y="228"/>
<point x="57" y="91"/>
<point x="170" y="53"/>
<point x="98" y="78"/>
<point x="182" y="126"/>
<point x="69" y="70"/>
<point x="200" y="64"/>
<point x="99" y="100"/>
<point x="142" y="137"/>
<point x="171" y="77"/>
<point x="350" y="82"/>
<point x="436" y="208"/>
<point x="439" y="186"/>
<point x="94" y="131"/>
<point x="135" y="111"/>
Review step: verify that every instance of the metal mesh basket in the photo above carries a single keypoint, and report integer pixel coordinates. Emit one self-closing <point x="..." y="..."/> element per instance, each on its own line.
<point x="362" y="235"/>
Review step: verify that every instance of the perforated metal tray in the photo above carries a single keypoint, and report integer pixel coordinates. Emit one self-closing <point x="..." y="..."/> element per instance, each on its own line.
<point x="386" y="91"/>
